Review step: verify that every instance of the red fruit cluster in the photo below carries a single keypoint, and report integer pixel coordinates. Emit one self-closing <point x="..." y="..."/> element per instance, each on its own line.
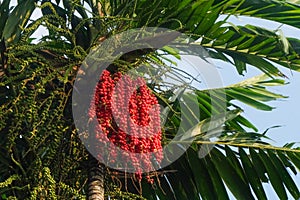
<point x="128" y="117"/>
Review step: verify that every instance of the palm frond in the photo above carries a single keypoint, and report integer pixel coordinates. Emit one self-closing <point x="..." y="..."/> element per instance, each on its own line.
<point x="243" y="171"/>
<point x="282" y="11"/>
<point x="241" y="160"/>
<point x="252" y="45"/>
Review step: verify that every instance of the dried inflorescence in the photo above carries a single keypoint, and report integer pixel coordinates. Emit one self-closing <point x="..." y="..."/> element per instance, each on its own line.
<point x="128" y="127"/>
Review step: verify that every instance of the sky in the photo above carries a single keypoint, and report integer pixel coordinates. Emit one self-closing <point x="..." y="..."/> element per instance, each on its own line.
<point x="287" y="112"/>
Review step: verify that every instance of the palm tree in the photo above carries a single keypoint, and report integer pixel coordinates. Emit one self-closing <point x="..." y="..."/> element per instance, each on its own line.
<point x="41" y="154"/>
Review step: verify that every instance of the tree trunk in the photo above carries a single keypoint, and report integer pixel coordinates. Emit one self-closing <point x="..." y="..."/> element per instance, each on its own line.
<point x="96" y="180"/>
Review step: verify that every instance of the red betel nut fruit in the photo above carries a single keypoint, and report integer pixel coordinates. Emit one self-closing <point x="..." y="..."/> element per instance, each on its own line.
<point x="128" y="117"/>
